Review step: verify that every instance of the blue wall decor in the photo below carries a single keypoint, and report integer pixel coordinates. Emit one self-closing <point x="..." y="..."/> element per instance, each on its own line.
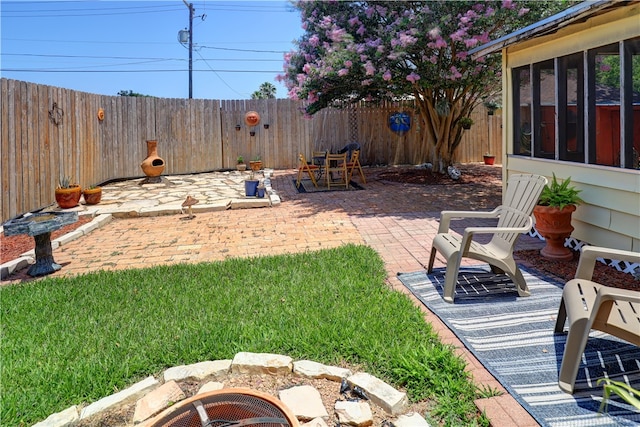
<point x="400" y="123"/>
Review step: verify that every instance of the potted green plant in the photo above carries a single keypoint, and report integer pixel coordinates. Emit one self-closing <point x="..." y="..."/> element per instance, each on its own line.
<point x="92" y="195"/>
<point x="553" y="214"/>
<point x="67" y="193"/>
<point x="491" y="106"/>
<point x="466" y="122"/>
<point x="240" y="164"/>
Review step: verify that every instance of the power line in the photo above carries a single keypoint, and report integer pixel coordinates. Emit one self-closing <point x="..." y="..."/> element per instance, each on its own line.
<point x="129" y="57"/>
<point x="221" y="79"/>
<point x="131" y="10"/>
<point x="243" y="50"/>
<point x="31" y="70"/>
<point x="5" y="39"/>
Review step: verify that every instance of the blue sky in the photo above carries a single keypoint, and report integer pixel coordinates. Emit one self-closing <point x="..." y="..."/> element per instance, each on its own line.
<point x="104" y="47"/>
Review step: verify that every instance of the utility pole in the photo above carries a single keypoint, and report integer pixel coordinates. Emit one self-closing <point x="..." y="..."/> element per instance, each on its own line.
<point x="191" y="10"/>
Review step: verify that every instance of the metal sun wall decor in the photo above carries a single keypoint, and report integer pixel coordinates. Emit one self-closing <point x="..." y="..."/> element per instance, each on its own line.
<point x="400" y="123"/>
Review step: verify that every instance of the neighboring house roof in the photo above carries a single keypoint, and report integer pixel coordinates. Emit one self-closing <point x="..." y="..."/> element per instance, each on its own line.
<point x="577" y="13"/>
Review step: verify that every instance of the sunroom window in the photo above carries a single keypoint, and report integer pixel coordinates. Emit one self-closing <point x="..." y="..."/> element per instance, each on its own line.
<point x="544" y="109"/>
<point x="576" y="110"/>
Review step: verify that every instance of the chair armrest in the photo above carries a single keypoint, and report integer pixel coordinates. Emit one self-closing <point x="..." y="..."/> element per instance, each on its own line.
<point x="618" y="294"/>
<point x="589" y="255"/>
<point x="467" y="236"/>
<point x="607" y="293"/>
<point x="447" y="216"/>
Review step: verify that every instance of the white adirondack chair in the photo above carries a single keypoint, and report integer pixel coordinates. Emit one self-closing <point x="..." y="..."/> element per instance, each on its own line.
<point x="514" y="218"/>
<point x="588" y="305"/>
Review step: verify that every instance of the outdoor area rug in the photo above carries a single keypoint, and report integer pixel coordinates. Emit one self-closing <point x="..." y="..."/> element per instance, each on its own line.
<point x="513" y="338"/>
<point x="306" y="186"/>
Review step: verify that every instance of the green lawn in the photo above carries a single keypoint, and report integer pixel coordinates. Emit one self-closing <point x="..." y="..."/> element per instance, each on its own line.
<point x="73" y="340"/>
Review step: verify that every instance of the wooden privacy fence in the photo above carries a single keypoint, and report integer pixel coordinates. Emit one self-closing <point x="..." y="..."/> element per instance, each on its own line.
<point x="49" y="132"/>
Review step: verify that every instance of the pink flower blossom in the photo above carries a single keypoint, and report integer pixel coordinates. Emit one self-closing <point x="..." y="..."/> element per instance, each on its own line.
<point x="293" y="94"/>
<point x="471" y="42"/>
<point x="348" y="64"/>
<point x="406" y="40"/>
<point x="455" y="74"/>
<point x="314" y="40"/>
<point x="484" y="37"/>
<point x="366" y="82"/>
<point x="508" y="4"/>
<point x="386" y="76"/>
<point x="337" y="34"/>
<point x="523" y="11"/>
<point x="370" y="69"/>
<point x="462" y="55"/>
<point x="458" y="35"/>
<point x="354" y="21"/>
<point x="306" y="68"/>
<point x="413" y="77"/>
<point x="440" y="43"/>
<point x="434" y="33"/>
<point x="369" y="12"/>
<point x="361" y="30"/>
<point x="381" y="10"/>
<point x="343" y="72"/>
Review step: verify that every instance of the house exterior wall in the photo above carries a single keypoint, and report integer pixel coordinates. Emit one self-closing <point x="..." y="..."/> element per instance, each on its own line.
<point x="610" y="215"/>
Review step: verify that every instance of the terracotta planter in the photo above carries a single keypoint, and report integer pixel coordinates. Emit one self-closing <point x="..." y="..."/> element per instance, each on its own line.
<point x="153" y="165"/>
<point x="92" y="196"/>
<point x="68" y="197"/>
<point x="555" y="226"/>
<point x="255" y="165"/>
<point x="489" y="160"/>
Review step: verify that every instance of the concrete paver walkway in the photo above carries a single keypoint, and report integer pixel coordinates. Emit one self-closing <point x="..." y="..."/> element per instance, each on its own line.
<point x="397" y="220"/>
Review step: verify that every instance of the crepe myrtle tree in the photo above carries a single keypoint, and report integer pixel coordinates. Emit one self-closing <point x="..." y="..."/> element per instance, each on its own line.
<point x="375" y="50"/>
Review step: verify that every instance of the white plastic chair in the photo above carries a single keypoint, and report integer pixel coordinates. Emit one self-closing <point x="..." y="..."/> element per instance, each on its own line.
<point x="514" y="218"/>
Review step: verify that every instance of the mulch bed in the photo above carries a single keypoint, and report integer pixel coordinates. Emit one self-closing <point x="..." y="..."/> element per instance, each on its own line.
<point x="471" y="174"/>
<point x="566" y="270"/>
